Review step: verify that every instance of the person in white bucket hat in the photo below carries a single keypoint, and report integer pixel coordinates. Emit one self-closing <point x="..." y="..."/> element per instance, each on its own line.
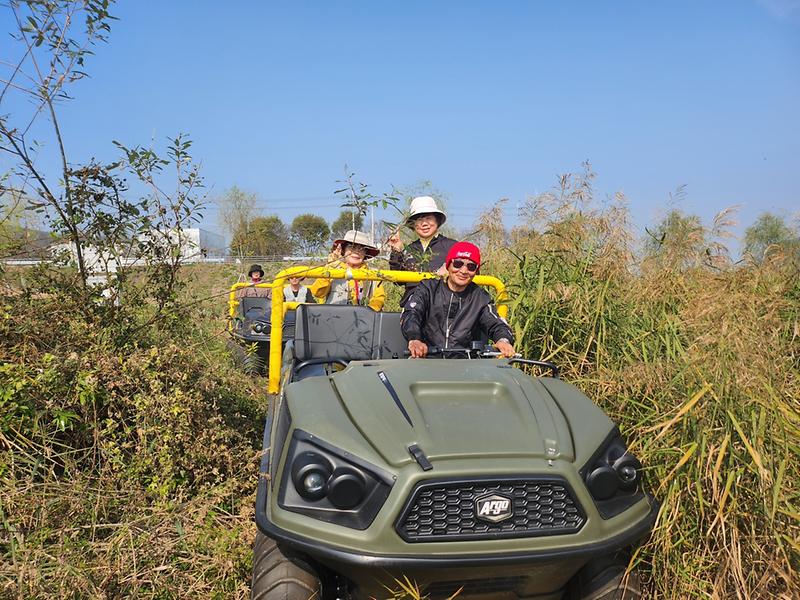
<point x="351" y="251"/>
<point x="428" y="252"/>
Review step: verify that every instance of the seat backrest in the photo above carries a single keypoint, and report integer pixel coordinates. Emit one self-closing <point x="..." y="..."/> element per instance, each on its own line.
<point x="334" y="331"/>
<point x="255" y="307"/>
<point x="389" y="343"/>
<point x="288" y="325"/>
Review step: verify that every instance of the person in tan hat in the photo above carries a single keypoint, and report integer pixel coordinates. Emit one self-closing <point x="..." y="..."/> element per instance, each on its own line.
<point x="426" y="253"/>
<point x="351" y="251"/>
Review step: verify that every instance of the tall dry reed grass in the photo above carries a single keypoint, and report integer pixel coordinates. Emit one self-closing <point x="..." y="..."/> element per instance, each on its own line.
<point x="698" y="360"/>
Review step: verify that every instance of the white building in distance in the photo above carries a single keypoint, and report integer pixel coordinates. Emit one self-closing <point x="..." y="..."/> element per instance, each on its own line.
<point x="199" y="244"/>
<point x="196" y="244"/>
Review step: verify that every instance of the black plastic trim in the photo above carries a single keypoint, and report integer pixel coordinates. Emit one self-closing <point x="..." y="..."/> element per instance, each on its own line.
<point x="299" y="366"/>
<point x="379" y="484"/>
<point x="306" y="342"/>
<point x="321" y="550"/>
<point x="536" y="363"/>
<point x="420" y="457"/>
<point x="390" y="388"/>
<point x="281" y="431"/>
<point x="264" y="465"/>
<point x="612" y="435"/>
<point x="491" y="535"/>
<point x="622" y="501"/>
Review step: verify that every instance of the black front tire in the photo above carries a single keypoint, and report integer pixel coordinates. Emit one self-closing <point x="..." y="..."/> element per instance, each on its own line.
<point x="277" y="576"/>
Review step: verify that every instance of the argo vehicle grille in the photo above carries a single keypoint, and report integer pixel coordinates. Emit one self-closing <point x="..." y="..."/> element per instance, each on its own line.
<point x="490" y="509"/>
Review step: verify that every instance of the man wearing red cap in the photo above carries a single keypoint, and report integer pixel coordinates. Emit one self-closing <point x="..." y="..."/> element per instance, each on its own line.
<point x="451" y="313"/>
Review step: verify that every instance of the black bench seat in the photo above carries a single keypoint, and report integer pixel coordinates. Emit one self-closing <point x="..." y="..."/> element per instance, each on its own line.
<point x="333" y="332"/>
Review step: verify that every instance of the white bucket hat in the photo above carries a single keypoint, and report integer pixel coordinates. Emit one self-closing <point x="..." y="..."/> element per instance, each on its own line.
<point x="424" y="205"/>
<point x="360" y="238"/>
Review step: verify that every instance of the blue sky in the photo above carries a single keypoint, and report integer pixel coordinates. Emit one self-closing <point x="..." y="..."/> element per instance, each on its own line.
<point x="487" y="100"/>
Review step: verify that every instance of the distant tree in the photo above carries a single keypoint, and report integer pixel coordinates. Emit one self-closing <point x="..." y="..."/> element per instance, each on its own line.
<point x="11" y="214"/>
<point x="236" y="208"/>
<point x="769" y="231"/>
<point x="262" y="236"/>
<point x="20" y="232"/>
<point x="346" y="221"/>
<point x="309" y="233"/>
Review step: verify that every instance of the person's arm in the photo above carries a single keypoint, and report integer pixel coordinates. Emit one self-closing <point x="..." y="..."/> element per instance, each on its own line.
<point x="378" y="297"/>
<point x="397" y="254"/>
<point x="498" y="329"/>
<point x="309" y="296"/>
<point x="396" y="260"/>
<point x="320" y="288"/>
<point x="402" y="261"/>
<point x="415" y="313"/>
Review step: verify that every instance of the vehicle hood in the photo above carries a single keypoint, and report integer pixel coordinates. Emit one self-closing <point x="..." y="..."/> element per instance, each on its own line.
<point x="455" y="409"/>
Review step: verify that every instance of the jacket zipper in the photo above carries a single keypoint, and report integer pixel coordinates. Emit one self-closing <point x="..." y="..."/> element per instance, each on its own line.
<point x="447" y="323"/>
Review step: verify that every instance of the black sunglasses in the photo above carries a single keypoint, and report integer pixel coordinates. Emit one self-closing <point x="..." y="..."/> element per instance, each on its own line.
<point x="471" y="266"/>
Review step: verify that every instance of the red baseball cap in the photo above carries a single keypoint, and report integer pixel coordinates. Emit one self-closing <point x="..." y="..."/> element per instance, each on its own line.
<point x="464" y="250"/>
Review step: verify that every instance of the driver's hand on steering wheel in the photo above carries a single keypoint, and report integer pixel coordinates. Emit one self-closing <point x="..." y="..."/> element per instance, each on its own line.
<point x="506" y="349"/>
<point x="417" y="348"/>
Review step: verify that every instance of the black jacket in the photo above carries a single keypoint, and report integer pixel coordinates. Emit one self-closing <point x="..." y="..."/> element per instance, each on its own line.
<point x="440" y="317"/>
<point x="414" y="258"/>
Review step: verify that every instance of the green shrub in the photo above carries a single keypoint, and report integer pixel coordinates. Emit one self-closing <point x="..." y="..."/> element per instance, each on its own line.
<point x="141" y="455"/>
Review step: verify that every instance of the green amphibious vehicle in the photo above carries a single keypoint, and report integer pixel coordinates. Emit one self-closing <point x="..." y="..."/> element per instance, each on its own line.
<point x="458" y="473"/>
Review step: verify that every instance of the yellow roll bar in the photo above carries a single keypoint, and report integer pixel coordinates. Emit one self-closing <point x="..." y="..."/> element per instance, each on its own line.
<point x="233" y="301"/>
<point x="279" y="307"/>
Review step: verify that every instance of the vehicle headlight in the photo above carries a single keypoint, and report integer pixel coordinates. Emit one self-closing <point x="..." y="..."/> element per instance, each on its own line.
<point x="346" y="488"/>
<point x="329" y="484"/>
<point x="310" y="473"/>
<point x="613" y="476"/>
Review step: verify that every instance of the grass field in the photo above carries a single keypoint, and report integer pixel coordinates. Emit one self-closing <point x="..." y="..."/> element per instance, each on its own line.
<point x="129" y="470"/>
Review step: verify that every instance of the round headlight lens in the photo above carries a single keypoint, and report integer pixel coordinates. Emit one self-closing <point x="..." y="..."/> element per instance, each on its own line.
<point x="346" y="489"/>
<point x="629" y="471"/>
<point x="627" y="474"/>
<point x="310" y="473"/>
<point x="314" y="483"/>
<point x="603" y="482"/>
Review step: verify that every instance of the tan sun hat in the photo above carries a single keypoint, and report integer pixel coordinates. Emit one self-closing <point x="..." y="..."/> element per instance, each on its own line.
<point x="424" y="205"/>
<point x="360" y="238"/>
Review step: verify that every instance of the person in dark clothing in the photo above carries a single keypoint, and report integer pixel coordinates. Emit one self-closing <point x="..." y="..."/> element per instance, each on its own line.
<point x="256" y="274"/>
<point x="451" y="313"/>
<point x="427" y="253"/>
